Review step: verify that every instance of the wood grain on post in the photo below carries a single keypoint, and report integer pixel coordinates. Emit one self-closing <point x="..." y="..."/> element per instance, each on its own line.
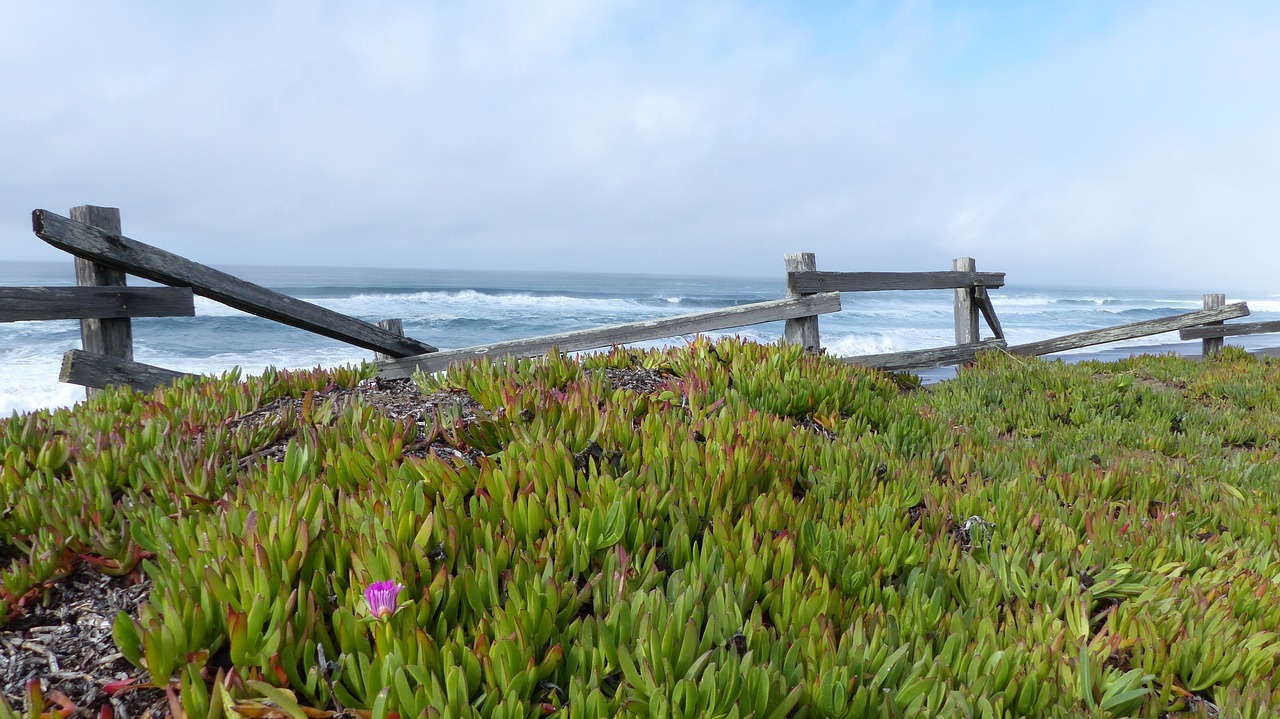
<point x="1210" y="346"/>
<point x="395" y="326"/>
<point x="110" y="337"/>
<point x="966" y="310"/>
<point x="803" y="330"/>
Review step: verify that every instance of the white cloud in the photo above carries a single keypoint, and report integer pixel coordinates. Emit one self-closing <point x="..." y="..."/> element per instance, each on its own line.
<point x="1137" y="144"/>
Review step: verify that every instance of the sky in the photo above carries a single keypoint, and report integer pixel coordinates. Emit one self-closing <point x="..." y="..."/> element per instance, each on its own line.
<point x="1079" y="144"/>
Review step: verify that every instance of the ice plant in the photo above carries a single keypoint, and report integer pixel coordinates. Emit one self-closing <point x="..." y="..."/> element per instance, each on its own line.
<point x="620" y="576"/>
<point x="382" y="598"/>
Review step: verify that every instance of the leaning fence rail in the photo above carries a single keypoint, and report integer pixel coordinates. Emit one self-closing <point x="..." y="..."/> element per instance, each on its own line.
<point x="1135" y="330"/>
<point x="104" y="304"/>
<point x="926" y="358"/>
<point x="136" y="258"/>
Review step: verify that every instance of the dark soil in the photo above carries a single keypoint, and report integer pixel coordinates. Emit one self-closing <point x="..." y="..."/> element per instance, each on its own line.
<point x="65" y="643"/>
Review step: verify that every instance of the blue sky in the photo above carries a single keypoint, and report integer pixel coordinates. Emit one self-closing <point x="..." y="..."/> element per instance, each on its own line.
<point x="1082" y="143"/>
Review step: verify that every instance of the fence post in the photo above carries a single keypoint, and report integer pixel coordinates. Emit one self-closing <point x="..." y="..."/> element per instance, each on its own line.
<point x="966" y="309"/>
<point x="1210" y="346"/>
<point x="803" y="330"/>
<point x="391" y="325"/>
<point x="111" y="337"/>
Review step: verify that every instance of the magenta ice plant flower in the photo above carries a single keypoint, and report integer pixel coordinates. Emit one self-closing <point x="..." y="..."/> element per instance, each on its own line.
<point x="382" y="598"/>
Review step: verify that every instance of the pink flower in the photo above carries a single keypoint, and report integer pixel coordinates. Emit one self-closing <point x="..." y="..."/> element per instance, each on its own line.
<point x="382" y="598"/>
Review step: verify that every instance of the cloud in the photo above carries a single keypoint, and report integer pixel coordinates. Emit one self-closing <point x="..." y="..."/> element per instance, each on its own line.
<point x="1089" y="145"/>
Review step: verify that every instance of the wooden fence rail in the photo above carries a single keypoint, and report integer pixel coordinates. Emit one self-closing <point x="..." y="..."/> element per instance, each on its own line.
<point x="927" y="358"/>
<point x="1131" y="331"/>
<point x="19" y="304"/>
<point x="740" y="316"/>
<point x="99" y="371"/>
<point x="814" y="281"/>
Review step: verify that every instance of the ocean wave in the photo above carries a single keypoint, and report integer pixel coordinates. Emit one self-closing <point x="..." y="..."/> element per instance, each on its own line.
<point x="206" y="307"/>
<point x="472" y="303"/>
<point x="1271" y="307"/>
<point x="869" y="343"/>
<point x="29" y="381"/>
<point x="12" y="333"/>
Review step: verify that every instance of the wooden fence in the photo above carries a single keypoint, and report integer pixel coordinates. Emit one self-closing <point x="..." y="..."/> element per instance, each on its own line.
<point x="809" y="294"/>
<point x="104" y="305"/>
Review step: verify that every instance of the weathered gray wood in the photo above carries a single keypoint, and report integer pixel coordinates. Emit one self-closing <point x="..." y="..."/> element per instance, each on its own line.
<point x="884" y="281"/>
<point x="1210" y="346"/>
<point x="983" y="299"/>
<point x="111" y="337"/>
<point x="1235" y="330"/>
<point x="739" y="316"/>
<point x="924" y="359"/>
<point x="1131" y="331"/>
<point x="966" y="309"/>
<point x="18" y="304"/>
<point x="801" y="331"/>
<point x="97" y="371"/>
<point x="155" y="264"/>
<point x="394" y="326"/>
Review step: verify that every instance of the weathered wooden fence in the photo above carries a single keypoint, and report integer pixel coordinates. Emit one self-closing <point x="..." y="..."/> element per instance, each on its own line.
<point x="104" y="305"/>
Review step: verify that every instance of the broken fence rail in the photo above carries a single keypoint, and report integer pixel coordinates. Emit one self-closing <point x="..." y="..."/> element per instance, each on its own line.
<point x="153" y="263"/>
<point x="959" y="354"/>
<point x="1134" y="330"/>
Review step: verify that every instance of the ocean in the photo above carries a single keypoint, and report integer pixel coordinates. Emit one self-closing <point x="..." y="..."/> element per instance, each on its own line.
<point x="453" y="308"/>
